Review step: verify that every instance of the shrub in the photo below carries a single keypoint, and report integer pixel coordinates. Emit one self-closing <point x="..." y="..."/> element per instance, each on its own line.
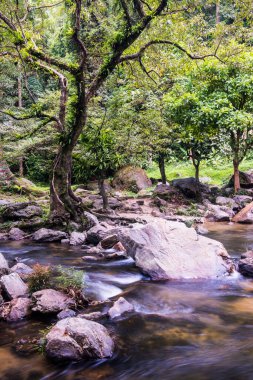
<point x="69" y="278"/>
<point x="40" y="278"/>
<point x="71" y="281"/>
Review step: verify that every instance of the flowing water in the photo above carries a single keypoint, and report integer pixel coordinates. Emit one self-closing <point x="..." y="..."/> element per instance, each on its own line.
<point x="180" y="329"/>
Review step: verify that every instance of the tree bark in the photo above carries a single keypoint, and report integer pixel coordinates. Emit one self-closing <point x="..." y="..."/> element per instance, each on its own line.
<point x="217" y="16"/>
<point x="236" y="176"/>
<point x="6" y="176"/>
<point x="21" y="167"/>
<point x="102" y="191"/>
<point x="161" y="164"/>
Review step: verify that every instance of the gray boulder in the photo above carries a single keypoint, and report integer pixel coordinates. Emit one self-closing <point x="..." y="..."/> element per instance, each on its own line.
<point x="45" y="234"/>
<point x="16" y="234"/>
<point x="67" y="313"/>
<point x="13" y="286"/>
<point x="246" y="255"/>
<point x="225" y="201"/>
<point x="22" y="210"/>
<point x="169" y="250"/>
<point x="96" y="234"/>
<point x="120" y="307"/>
<point x="22" y="269"/>
<point x="77" y="338"/>
<point x="131" y="178"/>
<point x="51" y="301"/>
<point x="189" y="186"/>
<point x="218" y="213"/>
<point x="3" y="262"/>
<point x="77" y="238"/>
<point x="242" y="200"/>
<point x="15" y="310"/>
<point x="163" y="191"/>
<point x="245" y="266"/>
<point x="109" y="241"/>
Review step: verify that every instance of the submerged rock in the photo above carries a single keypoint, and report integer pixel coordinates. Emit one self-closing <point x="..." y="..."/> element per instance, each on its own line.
<point x="169" y="250"/>
<point x="13" y="286"/>
<point x="51" y="301"/>
<point x="245" y="266"/>
<point x="45" y="234"/>
<point x="120" y="307"/>
<point x="77" y="338"/>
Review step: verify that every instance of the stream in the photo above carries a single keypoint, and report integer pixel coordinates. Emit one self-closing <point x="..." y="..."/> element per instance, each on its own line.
<point x="191" y="330"/>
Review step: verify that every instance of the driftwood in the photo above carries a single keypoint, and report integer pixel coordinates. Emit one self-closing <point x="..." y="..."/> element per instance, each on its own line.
<point x="240" y="215"/>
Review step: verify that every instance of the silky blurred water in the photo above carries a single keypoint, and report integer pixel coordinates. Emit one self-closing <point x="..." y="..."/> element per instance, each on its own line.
<point x="189" y="330"/>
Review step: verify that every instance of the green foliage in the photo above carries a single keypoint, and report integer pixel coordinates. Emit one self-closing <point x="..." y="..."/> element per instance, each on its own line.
<point x="40" y="278"/>
<point x="67" y="278"/>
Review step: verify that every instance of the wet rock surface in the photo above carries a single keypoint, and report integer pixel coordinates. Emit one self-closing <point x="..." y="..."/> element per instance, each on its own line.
<point x="120" y="307"/>
<point x="13" y="285"/>
<point x="77" y="338"/>
<point x="170" y="250"/>
<point x="48" y="235"/>
<point x="51" y="301"/>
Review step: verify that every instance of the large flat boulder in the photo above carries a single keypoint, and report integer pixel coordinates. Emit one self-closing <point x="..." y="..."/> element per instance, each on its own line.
<point x="48" y="235"/>
<point x="131" y="178"/>
<point x="51" y="301"/>
<point x="13" y="286"/>
<point x="169" y="250"/>
<point x="77" y="338"/>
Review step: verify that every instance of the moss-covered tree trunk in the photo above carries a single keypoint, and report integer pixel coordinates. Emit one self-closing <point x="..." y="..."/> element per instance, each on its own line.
<point x="6" y="175"/>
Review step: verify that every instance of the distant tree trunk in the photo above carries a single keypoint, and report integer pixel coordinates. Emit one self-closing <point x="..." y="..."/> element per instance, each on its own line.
<point x="6" y="176"/>
<point x="20" y="100"/>
<point x="102" y="191"/>
<point x="196" y="164"/>
<point x="217" y="20"/>
<point x="21" y="167"/>
<point x="20" y="105"/>
<point x="161" y="164"/>
<point x="236" y="175"/>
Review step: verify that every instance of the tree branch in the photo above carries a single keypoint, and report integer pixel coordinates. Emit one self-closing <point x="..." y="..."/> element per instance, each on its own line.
<point x="127" y="15"/>
<point x="119" y="47"/>
<point x="142" y="50"/>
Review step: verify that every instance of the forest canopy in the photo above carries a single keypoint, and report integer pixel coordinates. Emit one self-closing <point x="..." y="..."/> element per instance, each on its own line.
<point x="90" y="86"/>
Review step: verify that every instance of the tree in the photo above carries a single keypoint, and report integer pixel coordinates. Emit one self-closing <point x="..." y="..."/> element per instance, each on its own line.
<point x="81" y="76"/>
